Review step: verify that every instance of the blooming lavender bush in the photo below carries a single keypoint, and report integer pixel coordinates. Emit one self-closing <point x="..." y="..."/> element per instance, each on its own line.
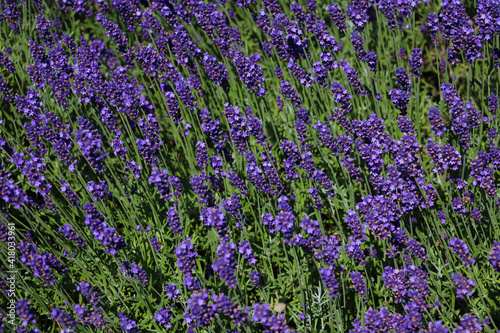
<point x="250" y="166"/>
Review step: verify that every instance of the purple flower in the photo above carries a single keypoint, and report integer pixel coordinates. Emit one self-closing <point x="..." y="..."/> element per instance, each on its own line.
<point x="388" y="9"/>
<point x="337" y="16"/>
<point x="4" y="89"/>
<point x="25" y="312"/>
<point x="456" y="26"/>
<point x="239" y="131"/>
<point x="416" y="61"/>
<point x="458" y="206"/>
<point x="85" y="289"/>
<point x="149" y="59"/>
<point x="215" y="70"/>
<point x="171" y="291"/>
<point x="436" y="121"/>
<point x="42" y="265"/>
<point x="352" y="220"/>
<point x="128" y="269"/>
<point x="98" y="190"/>
<point x="106" y="235"/>
<point x="288" y="91"/>
<point x="255" y="278"/>
<point x="290" y="170"/>
<point x="149" y="147"/>
<point x="403" y="79"/>
<point x="442" y="216"/>
<point x="182" y="46"/>
<point x="201" y="189"/>
<point x="328" y="277"/>
<point x="400" y="99"/>
<point x="437" y="327"/>
<point x="300" y="74"/>
<point x="370" y="58"/>
<point x="186" y="257"/>
<point x="199" y="313"/>
<point x="492" y="103"/>
<point x="357" y="11"/>
<point x="63" y="318"/>
<point x="224" y="305"/>
<point x="33" y="168"/>
<point x="353" y="250"/>
<point x="225" y="265"/>
<point x="284" y="223"/>
<point x="155" y="244"/>
<point x="165" y="183"/>
<point x="214" y="217"/>
<point x="379" y="213"/>
<point x="352" y="76"/>
<point x="174" y="221"/>
<point x="483" y="173"/>
<point x="314" y="193"/>
<point x="328" y="251"/>
<point x="408" y="282"/>
<point x="162" y="315"/>
<point x="358" y="283"/>
<point x="89" y="141"/>
<point x="463" y="285"/>
<point x="250" y="72"/>
<point x="255" y="175"/>
<point x="460" y="247"/>
<point x="89" y="317"/>
<point x="173" y="107"/>
<point x="71" y="234"/>
<point x="341" y="95"/>
<point x="128" y="325"/>
<point x="254" y="126"/>
<point x="468" y="323"/>
<point x="262" y="313"/>
<point x="444" y="157"/>
<point x="494" y="256"/>
<point x="7" y="63"/>
<point x="487" y="14"/>
<point x="237" y="182"/>
<point x="327" y="60"/>
<point x="357" y="42"/>
<point x="217" y="164"/>
<point x="320" y="73"/>
<point x="247" y="252"/>
<point x="416" y="249"/>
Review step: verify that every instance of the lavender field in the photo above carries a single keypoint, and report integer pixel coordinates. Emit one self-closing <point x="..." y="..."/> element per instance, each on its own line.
<point x="249" y="166"/>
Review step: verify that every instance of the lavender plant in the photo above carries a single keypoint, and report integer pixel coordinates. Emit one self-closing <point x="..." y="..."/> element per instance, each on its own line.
<point x="249" y="166"/>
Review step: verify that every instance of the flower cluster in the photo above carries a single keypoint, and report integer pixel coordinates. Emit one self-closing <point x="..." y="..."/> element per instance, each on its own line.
<point x="225" y="264"/>
<point x="104" y="234"/>
<point x="460" y="247"/>
<point x="71" y="234"/>
<point x="463" y="285"/>
<point x="128" y="269"/>
<point x="43" y="265"/>
<point x="186" y="257"/>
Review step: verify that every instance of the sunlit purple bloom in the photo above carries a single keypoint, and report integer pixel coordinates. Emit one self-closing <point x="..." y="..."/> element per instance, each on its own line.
<point x="128" y="325"/>
<point x="25" y="312"/>
<point x="162" y="315"/>
<point x="132" y="269"/>
<point x="494" y="256"/>
<point x="225" y="265"/>
<point x="463" y="285"/>
<point x="358" y="282"/>
<point x="460" y="247"/>
<point x="171" y="291"/>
